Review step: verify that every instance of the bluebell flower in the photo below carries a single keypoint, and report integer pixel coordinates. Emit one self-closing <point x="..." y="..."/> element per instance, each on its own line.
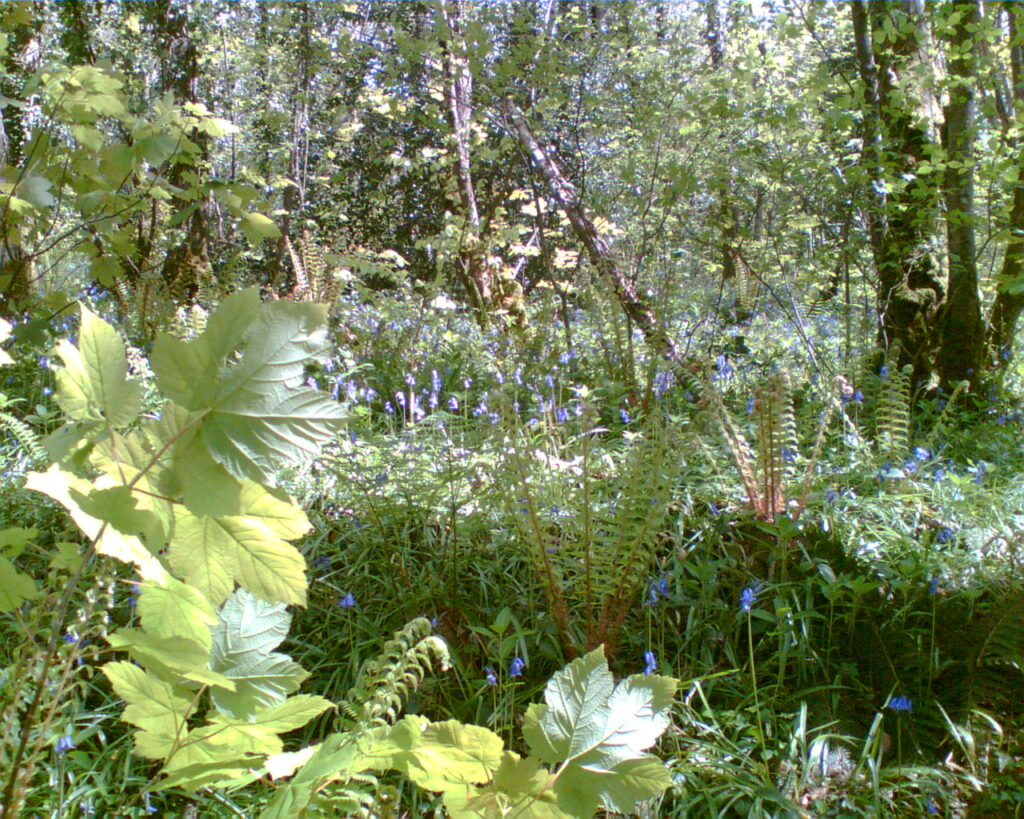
<point x="516" y="667"/>
<point x="883" y="372"/>
<point x="939" y="474"/>
<point x="47" y="391"/>
<point x="901" y="703"/>
<point x="150" y="807"/>
<point x="831" y="496"/>
<point x="858" y="397"/>
<point x="945" y="534"/>
<point x="490" y="676"/>
<point x="453" y="403"/>
<point x="788" y="454"/>
<point x="64" y="744"/>
<point x="70" y="637"/>
<point x="650" y="663"/>
<point x="931" y="807"/>
<point x="323" y="563"/>
<point x="624" y="416"/>
<point x="980" y="472"/>
<point x="561" y="415"/>
<point x="348" y="601"/>
<point x="933" y="587"/>
<point x="748" y="596"/>
<point x="750" y="405"/>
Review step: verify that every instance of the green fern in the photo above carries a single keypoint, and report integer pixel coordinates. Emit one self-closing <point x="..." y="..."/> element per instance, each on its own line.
<point x="591" y="560"/>
<point x="386" y="682"/>
<point x="335" y="782"/>
<point x="27" y="438"/>
<point x="892" y="413"/>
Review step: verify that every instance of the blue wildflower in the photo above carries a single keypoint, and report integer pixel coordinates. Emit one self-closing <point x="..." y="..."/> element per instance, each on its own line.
<point x="624" y="416"/>
<point x="490" y="676"/>
<point x="561" y="415"/>
<point x="944" y="535"/>
<point x="650" y="663"/>
<point x="750" y="405"/>
<point x="348" y="601"/>
<point x="933" y="587"/>
<point x="901" y="703"/>
<point x="64" y="744"/>
<point x="931" y="807"/>
<point x="831" y="496"/>
<point x="516" y="667"/>
<point x="748" y="596"/>
<point x="858" y="397"/>
<point x="150" y="807"/>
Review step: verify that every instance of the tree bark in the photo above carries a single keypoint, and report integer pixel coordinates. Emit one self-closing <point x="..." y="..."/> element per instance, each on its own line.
<point x="458" y="99"/>
<point x="597" y="247"/>
<point x="903" y="218"/>
<point x="960" y="327"/>
<point x="1007" y="307"/>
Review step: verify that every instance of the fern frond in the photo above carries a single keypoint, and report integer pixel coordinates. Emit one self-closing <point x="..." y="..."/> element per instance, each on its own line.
<point x="26" y="437"/>
<point x="892" y="413"/>
<point x="386" y="682"/>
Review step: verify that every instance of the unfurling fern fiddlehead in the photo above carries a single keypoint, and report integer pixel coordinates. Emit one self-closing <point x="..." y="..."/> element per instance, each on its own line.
<point x="336" y="780"/>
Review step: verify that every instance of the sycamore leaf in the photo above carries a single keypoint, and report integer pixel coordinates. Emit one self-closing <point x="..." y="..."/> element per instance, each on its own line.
<point x="601" y="731"/>
<point x="155" y="706"/>
<point x="261" y="419"/>
<point x="207" y="488"/>
<point x="5" y="332"/>
<point x="93" y="384"/>
<point x="170" y="656"/>
<point x="170" y="608"/>
<point x="211" y="752"/>
<point x="258" y="227"/>
<point x="252" y="548"/>
<point x="116" y="506"/>
<point x="15" y="587"/>
<point x="243" y="650"/>
<point x="520" y="782"/>
<point x="187" y="372"/>
<point x="58" y="484"/>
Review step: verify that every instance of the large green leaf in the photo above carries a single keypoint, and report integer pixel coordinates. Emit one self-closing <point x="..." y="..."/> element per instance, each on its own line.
<point x="188" y="372"/>
<point x="598" y="732"/>
<point x="15" y="587"/>
<point x="158" y="708"/>
<point x="58" y="485"/>
<point x="251" y="547"/>
<point x="169" y="656"/>
<point x="243" y="650"/>
<point x="170" y="608"/>
<point x="257" y="415"/>
<point x="261" y="418"/>
<point x="93" y="384"/>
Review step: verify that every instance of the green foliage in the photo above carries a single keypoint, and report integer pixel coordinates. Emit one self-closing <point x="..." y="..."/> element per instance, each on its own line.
<point x="592" y="732"/>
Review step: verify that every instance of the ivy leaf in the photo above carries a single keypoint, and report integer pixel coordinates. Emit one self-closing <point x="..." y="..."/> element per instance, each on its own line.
<point x="212" y="553"/>
<point x="158" y="708"/>
<point x="244" y="640"/>
<point x="93" y="384"/>
<point x="601" y="731"/>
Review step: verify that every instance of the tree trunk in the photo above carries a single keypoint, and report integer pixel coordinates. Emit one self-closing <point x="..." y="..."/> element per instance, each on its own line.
<point x="903" y="218"/>
<point x="960" y="328"/>
<point x="1007" y="307"/>
<point x="598" y="249"/>
<point x="187" y="264"/>
<point x="458" y="99"/>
